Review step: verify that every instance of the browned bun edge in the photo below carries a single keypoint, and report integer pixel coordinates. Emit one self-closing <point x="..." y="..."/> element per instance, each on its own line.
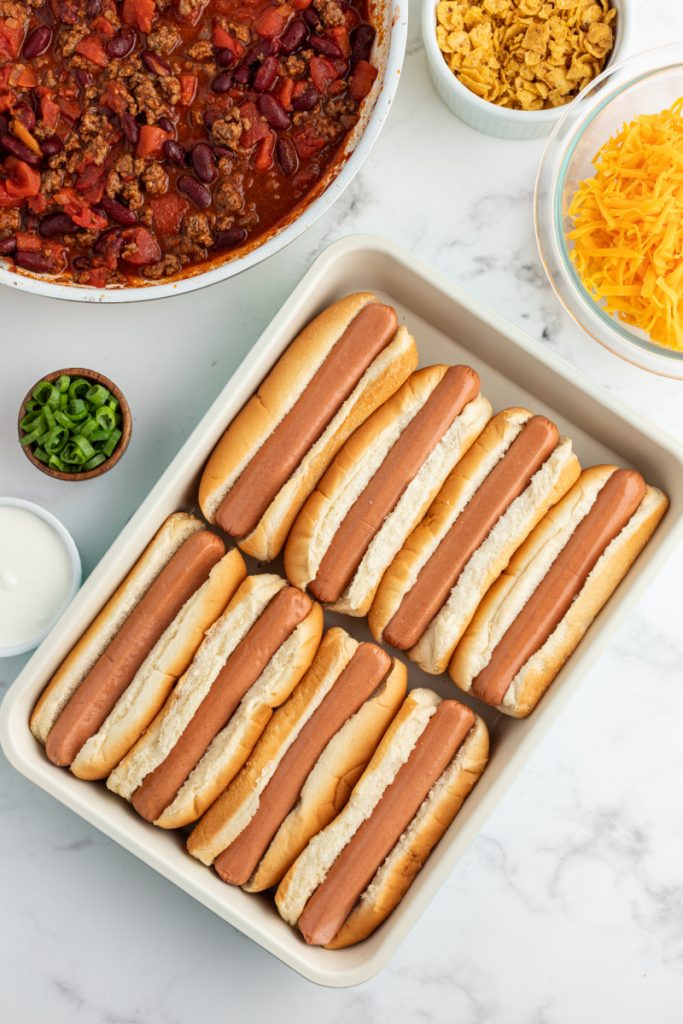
<point x="83" y="655"/>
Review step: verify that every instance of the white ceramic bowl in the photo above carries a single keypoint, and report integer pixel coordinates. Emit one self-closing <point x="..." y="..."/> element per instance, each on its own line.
<point x="74" y="564"/>
<point x="392" y="24"/>
<point x="489" y="117"/>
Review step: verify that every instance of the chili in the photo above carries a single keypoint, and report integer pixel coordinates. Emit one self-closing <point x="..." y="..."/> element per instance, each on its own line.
<point x="144" y="137"/>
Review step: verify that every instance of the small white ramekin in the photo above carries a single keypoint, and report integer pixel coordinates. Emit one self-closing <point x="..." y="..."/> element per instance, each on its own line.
<point x="74" y="563"/>
<point x="488" y="117"/>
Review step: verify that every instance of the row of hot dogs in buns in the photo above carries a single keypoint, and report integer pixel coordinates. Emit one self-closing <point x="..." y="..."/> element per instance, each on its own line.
<point x="473" y="543"/>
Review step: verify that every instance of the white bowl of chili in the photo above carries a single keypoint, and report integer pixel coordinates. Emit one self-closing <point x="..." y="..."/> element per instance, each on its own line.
<point x="301" y="99"/>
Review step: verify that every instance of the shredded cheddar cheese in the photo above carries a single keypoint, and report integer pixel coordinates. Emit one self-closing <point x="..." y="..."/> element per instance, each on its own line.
<point x="627" y="230"/>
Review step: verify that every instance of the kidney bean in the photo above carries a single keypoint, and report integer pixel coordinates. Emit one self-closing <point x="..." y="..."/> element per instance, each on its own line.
<point x="30" y="222"/>
<point x="131" y="129"/>
<point x="37" y="42"/>
<point x="204" y="162"/>
<point x="8" y="245"/>
<point x="225" y="58"/>
<point x="259" y="51"/>
<point x="121" y="45"/>
<point x="26" y="116"/>
<point x="230" y="238"/>
<point x="174" y="153"/>
<point x="326" y="46"/>
<point x="294" y="36"/>
<point x="19" y="150"/>
<point x="195" y="190"/>
<point x="51" y="145"/>
<point x="154" y="63"/>
<point x="311" y="17"/>
<point x="81" y="263"/>
<point x="167" y="124"/>
<point x="307" y="100"/>
<point x="84" y="77"/>
<point x="56" y="224"/>
<point x="361" y="39"/>
<point x="274" y="113"/>
<point x="265" y="77"/>
<point x="4" y="124"/>
<point x="242" y="75"/>
<point x="286" y="156"/>
<point x="110" y="242"/>
<point x="118" y="212"/>
<point x="34" y="261"/>
<point x="222" y="83"/>
<point x="93" y="9"/>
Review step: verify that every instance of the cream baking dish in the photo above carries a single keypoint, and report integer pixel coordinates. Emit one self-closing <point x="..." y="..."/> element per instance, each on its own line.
<point x="450" y="326"/>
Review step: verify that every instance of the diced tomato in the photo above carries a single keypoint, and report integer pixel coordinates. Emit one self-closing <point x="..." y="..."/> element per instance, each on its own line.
<point x="307" y="143"/>
<point x="49" y="111"/>
<point x="272" y="21"/>
<point x="89" y="219"/>
<point x="284" y="92"/>
<point x="69" y="108"/>
<point x="256" y="128"/>
<point x="93" y="49"/>
<point x="351" y="18"/>
<point x="224" y="40"/>
<point x="114" y="98"/>
<point x="37" y="204"/>
<point x="23" y="180"/>
<point x="151" y="141"/>
<point x="22" y="77"/>
<point x="341" y="38"/>
<point x="11" y="38"/>
<point x="188" y="89"/>
<point x="103" y="26"/>
<point x="139" y="13"/>
<point x="300" y="5"/>
<point x="146" y="247"/>
<point x="362" y="79"/>
<point x="168" y="212"/>
<point x="323" y="71"/>
<point x="90" y="176"/>
<point x="6" y="200"/>
<point x="264" y="154"/>
<point x="28" y="241"/>
<point x="8" y="100"/>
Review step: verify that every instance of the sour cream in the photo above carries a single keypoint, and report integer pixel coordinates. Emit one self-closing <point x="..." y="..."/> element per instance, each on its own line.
<point x="38" y="577"/>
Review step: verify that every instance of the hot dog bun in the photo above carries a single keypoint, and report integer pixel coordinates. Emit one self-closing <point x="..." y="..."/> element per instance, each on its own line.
<point x="530" y="564"/>
<point x="356" y="466"/>
<point x="392" y="877"/>
<point x="558" y="472"/>
<point x="276" y="396"/>
<point x="231" y="745"/>
<point x="68" y="677"/>
<point x="160" y="671"/>
<point x="328" y="784"/>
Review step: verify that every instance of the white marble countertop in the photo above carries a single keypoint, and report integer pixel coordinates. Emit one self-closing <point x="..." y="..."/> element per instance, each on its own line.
<point x="569" y="907"/>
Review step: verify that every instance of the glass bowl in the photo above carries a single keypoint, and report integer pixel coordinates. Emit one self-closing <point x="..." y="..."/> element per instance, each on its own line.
<point x="644" y="84"/>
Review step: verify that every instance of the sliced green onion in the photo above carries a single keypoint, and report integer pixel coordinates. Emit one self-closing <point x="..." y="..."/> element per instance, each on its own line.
<point x="41" y="455"/>
<point x="112" y="442"/>
<point x="96" y="461"/>
<point x="48" y="417"/>
<point x="55" y="440"/>
<point x="106" y="418"/>
<point x="98" y="394"/>
<point x="62" y="382"/>
<point x="79" y="388"/>
<point x="30" y="438"/>
<point x="56" y="463"/>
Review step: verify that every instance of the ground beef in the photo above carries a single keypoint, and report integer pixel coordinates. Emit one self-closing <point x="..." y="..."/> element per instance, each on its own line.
<point x="196" y="229"/>
<point x="330" y="12"/>
<point x="148" y="100"/>
<point x="169" y="265"/>
<point x="170" y="86"/>
<point x="228" y="195"/>
<point x="164" y="39"/>
<point x="201" y="50"/>
<point x="155" y="179"/>
<point x="294" y="66"/>
<point x="51" y="181"/>
<point x="10" y="221"/>
<point x="190" y="8"/>
<point x="226" y="131"/>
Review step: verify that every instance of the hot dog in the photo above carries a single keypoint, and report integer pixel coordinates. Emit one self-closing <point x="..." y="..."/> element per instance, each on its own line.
<point x="341" y="367"/>
<point x="535" y="614"/>
<point x="304" y="766"/>
<point x="355" y="871"/>
<point x="517" y="468"/>
<point x="119" y="674"/>
<point x="248" y="664"/>
<point x="380" y="484"/>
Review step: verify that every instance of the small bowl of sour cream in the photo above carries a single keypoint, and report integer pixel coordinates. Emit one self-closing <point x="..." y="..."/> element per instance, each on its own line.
<point x="40" y="572"/>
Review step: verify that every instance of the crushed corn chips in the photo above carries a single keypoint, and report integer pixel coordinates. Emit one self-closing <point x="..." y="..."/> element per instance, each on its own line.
<point x="627" y="229"/>
<point x="525" y="54"/>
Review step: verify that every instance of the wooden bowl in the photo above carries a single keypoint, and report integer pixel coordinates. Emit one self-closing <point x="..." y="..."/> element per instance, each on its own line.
<point x="126" y="425"/>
